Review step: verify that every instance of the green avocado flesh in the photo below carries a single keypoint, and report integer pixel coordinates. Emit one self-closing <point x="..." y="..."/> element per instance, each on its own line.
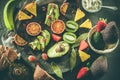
<point x="58" y="50"/>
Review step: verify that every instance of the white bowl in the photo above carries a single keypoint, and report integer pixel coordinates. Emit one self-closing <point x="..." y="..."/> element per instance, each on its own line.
<point x="109" y="49"/>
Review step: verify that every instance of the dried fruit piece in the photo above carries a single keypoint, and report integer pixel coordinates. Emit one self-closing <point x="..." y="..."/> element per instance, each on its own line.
<point x="79" y="14"/>
<point x="64" y="7"/>
<point x="40" y="74"/>
<point x="86" y="24"/>
<point x="19" y="40"/>
<point x="23" y="16"/>
<point x="33" y="28"/>
<point x="32" y="8"/>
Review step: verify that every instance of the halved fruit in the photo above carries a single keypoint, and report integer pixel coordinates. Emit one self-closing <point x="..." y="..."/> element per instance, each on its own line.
<point x="64" y="7"/>
<point x="19" y="40"/>
<point x="33" y="28"/>
<point x="31" y="7"/>
<point x="58" y="26"/>
<point x="79" y="15"/>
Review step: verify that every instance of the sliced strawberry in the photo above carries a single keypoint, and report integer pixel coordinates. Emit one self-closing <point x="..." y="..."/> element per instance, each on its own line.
<point x="56" y="38"/>
<point x="83" y="45"/>
<point x="101" y="25"/>
<point x="32" y="58"/>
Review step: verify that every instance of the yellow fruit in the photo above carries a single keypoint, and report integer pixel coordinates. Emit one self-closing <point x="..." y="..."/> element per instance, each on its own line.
<point x="86" y="24"/>
<point x="23" y="16"/>
<point x="64" y="7"/>
<point x="79" y="15"/>
<point x="83" y="56"/>
<point x="31" y="7"/>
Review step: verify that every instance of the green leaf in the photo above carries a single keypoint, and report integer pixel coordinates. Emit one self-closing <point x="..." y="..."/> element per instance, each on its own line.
<point x="73" y="59"/>
<point x="57" y="70"/>
<point x="81" y="37"/>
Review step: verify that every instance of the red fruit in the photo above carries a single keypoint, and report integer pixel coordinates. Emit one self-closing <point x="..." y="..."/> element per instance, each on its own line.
<point x="101" y="25"/>
<point x="32" y="58"/>
<point x="49" y="17"/>
<point x="56" y="38"/>
<point x="44" y="56"/>
<point x="83" y="45"/>
<point x="82" y="72"/>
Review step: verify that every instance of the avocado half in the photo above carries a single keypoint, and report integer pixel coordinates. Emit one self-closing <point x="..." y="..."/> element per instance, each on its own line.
<point x="58" y="50"/>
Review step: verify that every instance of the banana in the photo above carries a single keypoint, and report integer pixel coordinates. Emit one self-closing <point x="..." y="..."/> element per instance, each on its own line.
<point x="8" y="14"/>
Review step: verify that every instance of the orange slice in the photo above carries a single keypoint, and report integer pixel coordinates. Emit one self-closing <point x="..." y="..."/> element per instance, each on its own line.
<point x="33" y="28"/>
<point x="19" y="40"/>
<point x="31" y="7"/>
<point x="58" y="26"/>
<point x="64" y="7"/>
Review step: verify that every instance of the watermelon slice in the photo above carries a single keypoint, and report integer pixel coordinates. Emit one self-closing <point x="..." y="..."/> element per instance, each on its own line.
<point x="83" y="45"/>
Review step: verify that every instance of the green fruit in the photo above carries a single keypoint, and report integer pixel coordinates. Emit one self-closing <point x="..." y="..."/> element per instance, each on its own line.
<point x="58" y="50"/>
<point x="97" y="41"/>
<point x="46" y="35"/>
<point x="72" y="26"/>
<point x="41" y="42"/>
<point x="69" y="37"/>
<point x="8" y="14"/>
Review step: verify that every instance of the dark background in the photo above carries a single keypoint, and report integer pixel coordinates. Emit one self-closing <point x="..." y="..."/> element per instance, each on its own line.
<point x="113" y="72"/>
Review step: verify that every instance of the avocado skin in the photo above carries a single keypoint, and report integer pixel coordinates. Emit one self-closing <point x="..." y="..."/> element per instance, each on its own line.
<point x="97" y="41"/>
<point x="52" y="53"/>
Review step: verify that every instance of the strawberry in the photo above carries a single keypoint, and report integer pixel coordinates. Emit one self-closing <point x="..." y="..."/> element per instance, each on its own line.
<point x="32" y="58"/>
<point x="56" y="38"/>
<point x="101" y="24"/>
<point x="44" y="56"/>
<point x="83" y="45"/>
<point x="82" y="72"/>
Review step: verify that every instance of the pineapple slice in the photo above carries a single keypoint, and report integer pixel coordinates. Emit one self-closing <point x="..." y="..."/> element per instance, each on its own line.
<point x="83" y="56"/>
<point x="31" y="7"/>
<point x="86" y="24"/>
<point x="79" y="14"/>
<point x="23" y="16"/>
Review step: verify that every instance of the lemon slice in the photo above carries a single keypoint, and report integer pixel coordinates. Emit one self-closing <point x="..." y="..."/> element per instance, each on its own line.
<point x="86" y="24"/>
<point x="31" y="7"/>
<point x="23" y="16"/>
<point x="79" y="14"/>
<point x="83" y="56"/>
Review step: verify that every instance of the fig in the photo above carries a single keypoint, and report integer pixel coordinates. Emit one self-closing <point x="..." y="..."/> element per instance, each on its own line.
<point x="99" y="66"/>
<point x="110" y="33"/>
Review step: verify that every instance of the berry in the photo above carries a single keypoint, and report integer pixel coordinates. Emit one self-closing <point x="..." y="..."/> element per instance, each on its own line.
<point x="44" y="56"/>
<point x="32" y="58"/>
<point x="101" y="24"/>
